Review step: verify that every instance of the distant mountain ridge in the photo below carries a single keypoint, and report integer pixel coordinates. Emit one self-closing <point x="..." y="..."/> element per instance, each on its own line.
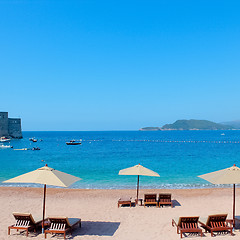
<point x="191" y="124"/>
<point x="235" y="124"/>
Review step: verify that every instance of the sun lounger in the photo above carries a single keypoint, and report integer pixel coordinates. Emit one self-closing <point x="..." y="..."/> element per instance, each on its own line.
<point x="125" y="201"/>
<point x="150" y="199"/>
<point x="25" y="222"/>
<point x="62" y="225"/>
<point x="187" y="225"/>
<point x="165" y="199"/>
<point x="216" y="223"/>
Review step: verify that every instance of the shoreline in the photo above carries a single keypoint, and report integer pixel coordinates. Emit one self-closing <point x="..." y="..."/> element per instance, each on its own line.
<point x="206" y="186"/>
<point x="116" y="192"/>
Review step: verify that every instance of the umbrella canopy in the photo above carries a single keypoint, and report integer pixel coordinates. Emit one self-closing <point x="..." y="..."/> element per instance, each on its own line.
<point x="229" y="175"/>
<point x="47" y="176"/>
<point x="138" y="170"/>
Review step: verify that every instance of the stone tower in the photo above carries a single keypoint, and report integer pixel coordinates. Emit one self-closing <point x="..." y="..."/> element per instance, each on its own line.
<point x="3" y="124"/>
<point x="10" y="127"/>
<point x="14" y="127"/>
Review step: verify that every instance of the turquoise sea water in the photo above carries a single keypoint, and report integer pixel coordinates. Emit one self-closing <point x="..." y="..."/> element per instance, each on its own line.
<point x="178" y="156"/>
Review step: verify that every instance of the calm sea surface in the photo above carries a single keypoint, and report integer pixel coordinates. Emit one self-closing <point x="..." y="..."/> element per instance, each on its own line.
<point x="178" y="156"/>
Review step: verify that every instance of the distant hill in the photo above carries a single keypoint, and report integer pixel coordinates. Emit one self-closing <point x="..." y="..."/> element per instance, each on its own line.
<point x="196" y="125"/>
<point x="235" y="124"/>
<point x="150" y="129"/>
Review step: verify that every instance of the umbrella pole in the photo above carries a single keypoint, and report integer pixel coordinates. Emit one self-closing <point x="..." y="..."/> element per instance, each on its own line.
<point x="137" y="188"/>
<point x="44" y="199"/>
<point x="234" y="191"/>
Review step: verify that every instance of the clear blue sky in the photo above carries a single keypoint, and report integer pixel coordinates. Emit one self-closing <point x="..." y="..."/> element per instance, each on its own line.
<point x="119" y="65"/>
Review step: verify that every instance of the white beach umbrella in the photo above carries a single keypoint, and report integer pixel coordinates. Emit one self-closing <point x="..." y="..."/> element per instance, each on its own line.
<point x="47" y="176"/>
<point x="138" y="170"/>
<point x="229" y="175"/>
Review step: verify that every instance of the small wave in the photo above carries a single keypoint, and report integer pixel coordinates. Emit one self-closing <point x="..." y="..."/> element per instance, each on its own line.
<point x="116" y="186"/>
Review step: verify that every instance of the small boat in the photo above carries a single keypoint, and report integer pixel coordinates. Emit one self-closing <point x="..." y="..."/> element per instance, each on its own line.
<point x="223" y="134"/>
<point x="33" y="139"/>
<point x="5" y="146"/>
<point x="4" y="139"/>
<point x="21" y="149"/>
<point x="35" y="148"/>
<point x="73" y="143"/>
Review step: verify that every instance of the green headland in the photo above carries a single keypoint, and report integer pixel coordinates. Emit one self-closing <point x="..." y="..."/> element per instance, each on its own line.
<point x="191" y="124"/>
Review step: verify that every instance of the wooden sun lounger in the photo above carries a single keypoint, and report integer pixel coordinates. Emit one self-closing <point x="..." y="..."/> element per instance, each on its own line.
<point x="217" y="223"/>
<point x="150" y="199"/>
<point x="125" y="201"/>
<point x="25" y="222"/>
<point x="62" y="225"/>
<point x="165" y="199"/>
<point x="187" y="225"/>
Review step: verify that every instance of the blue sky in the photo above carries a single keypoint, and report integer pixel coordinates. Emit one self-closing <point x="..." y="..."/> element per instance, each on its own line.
<point x="119" y="65"/>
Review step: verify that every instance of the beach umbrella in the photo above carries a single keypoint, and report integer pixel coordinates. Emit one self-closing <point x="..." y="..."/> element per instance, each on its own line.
<point x="229" y="175"/>
<point x="138" y="170"/>
<point x="46" y="176"/>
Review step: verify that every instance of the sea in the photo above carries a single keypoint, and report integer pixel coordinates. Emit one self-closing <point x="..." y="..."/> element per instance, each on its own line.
<point x="179" y="157"/>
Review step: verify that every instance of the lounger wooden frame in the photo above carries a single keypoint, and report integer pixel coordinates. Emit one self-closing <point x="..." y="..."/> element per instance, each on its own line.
<point x="187" y="225"/>
<point x="125" y="201"/>
<point x="217" y="223"/>
<point x="150" y="199"/>
<point x="25" y="222"/>
<point x="62" y="225"/>
<point x="165" y="199"/>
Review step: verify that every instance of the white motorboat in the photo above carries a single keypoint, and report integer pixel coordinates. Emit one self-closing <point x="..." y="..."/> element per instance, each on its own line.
<point x="4" y="139"/>
<point x="5" y="146"/>
<point x="22" y="149"/>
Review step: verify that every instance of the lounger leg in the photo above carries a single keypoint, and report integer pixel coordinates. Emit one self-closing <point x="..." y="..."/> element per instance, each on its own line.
<point x="27" y="233"/>
<point x="64" y="235"/>
<point x="45" y="234"/>
<point x="180" y="234"/>
<point x="9" y="230"/>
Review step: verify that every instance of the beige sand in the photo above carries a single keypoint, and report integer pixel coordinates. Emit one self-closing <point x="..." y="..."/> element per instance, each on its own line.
<point x="101" y="219"/>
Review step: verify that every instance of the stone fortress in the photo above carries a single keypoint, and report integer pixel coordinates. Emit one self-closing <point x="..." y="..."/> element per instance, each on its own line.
<point x="10" y="127"/>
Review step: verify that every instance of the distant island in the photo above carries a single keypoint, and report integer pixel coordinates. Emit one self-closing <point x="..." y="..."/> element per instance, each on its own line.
<point x="150" y="129"/>
<point x="191" y="124"/>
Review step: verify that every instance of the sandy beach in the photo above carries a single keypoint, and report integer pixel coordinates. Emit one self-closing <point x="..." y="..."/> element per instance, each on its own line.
<point x="102" y="219"/>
